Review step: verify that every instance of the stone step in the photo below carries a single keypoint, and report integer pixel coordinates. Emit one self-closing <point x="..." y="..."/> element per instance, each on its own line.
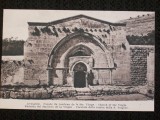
<point x="85" y="97"/>
<point x="83" y="94"/>
<point x="82" y="89"/>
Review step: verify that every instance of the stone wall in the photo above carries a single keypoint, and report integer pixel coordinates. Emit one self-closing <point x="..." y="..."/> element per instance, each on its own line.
<point x="139" y="64"/>
<point x="44" y="37"/>
<point x="151" y="68"/>
<point x="142" y="56"/>
<point x="133" y="63"/>
<point x="12" y="72"/>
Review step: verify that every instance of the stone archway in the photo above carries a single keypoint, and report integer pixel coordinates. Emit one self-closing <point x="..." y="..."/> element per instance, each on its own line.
<point x="74" y="48"/>
<point x="80" y="70"/>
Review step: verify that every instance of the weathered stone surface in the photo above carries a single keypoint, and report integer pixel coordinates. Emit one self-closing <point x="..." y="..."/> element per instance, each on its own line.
<point x="1" y="94"/>
<point x="107" y="42"/>
<point x="87" y="94"/>
<point x="26" y="89"/>
<point x="45" y="94"/>
<point x="139" y="64"/>
<point x="38" y="46"/>
<point x="37" y="94"/>
<point x="51" y="87"/>
<point x="66" y="94"/>
<point x="31" y="94"/>
<point x="12" y="94"/>
<point x="16" y="95"/>
<point x="56" y="94"/>
<point x="7" y="94"/>
<point x="11" y="73"/>
<point x="42" y="93"/>
<point x="85" y="98"/>
<point x="22" y="94"/>
<point x="80" y="94"/>
<point x="26" y="95"/>
<point x="49" y="90"/>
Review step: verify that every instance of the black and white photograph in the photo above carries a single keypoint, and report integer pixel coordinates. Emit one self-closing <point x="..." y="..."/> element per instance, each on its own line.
<point x="72" y="56"/>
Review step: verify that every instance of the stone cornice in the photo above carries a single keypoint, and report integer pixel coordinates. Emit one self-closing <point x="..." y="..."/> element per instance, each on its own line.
<point x="73" y="18"/>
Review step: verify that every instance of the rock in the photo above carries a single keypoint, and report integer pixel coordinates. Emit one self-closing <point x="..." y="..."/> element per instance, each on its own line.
<point x="15" y="95"/>
<point x="106" y="89"/>
<point x="7" y="94"/>
<point x="85" y="98"/>
<point x="123" y="91"/>
<point x="55" y="94"/>
<point x="143" y="91"/>
<point x="51" y="87"/>
<point x="132" y="91"/>
<point x="22" y="94"/>
<point x="87" y="94"/>
<point x="13" y="89"/>
<point x="26" y="95"/>
<point x="31" y="94"/>
<point x="80" y="94"/>
<point x="66" y="94"/>
<point x="71" y="89"/>
<point x="37" y="94"/>
<point x="44" y="94"/>
<point x="72" y="93"/>
<point x="93" y="92"/>
<point x="99" y="92"/>
<point x="1" y="94"/>
<point x="19" y="95"/>
<point x="12" y="95"/>
<point x="49" y="90"/>
<point x="26" y="90"/>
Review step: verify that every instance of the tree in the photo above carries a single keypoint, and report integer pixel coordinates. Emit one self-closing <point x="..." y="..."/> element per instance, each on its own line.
<point x="12" y="47"/>
<point x="148" y="39"/>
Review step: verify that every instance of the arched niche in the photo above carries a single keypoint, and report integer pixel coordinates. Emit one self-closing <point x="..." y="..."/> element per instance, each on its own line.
<point x="85" y="51"/>
<point x="55" y="54"/>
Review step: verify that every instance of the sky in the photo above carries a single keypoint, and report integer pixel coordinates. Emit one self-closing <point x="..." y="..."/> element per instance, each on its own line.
<point x="15" y="21"/>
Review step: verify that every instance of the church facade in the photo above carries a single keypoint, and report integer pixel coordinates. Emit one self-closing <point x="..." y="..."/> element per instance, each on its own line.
<point x="78" y="51"/>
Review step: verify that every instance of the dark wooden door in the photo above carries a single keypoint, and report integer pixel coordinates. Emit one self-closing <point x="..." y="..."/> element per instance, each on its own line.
<point x="79" y="79"/>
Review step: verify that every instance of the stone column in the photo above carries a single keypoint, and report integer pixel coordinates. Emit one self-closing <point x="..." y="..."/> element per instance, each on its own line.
<point x="70" y="79"/>
<point x="86" y="79"/>
<point x="72" y="74"/>
<point x="50" y="75"/>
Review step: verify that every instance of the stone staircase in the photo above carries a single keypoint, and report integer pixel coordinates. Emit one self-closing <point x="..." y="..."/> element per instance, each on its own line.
<point x="84" y="94"/>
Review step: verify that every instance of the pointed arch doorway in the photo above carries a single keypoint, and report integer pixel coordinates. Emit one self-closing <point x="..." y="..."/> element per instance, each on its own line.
<point x="80" y="70"/>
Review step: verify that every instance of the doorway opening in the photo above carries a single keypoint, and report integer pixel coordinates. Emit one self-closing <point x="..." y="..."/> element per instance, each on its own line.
<point x="80" y="70"/>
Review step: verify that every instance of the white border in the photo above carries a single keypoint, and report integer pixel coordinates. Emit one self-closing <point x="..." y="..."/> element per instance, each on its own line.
<point x="77" y="105"/>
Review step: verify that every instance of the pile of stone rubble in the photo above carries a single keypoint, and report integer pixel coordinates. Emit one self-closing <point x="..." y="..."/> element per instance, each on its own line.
<point x="53" y="92"/>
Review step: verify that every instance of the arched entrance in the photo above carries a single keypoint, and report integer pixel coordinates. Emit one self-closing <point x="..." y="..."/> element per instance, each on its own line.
<point x="80" y="70"/>
<point x="74" y="48"/>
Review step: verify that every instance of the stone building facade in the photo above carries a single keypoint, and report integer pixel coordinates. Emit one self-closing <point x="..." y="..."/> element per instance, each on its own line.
<point x="65" y="52"/>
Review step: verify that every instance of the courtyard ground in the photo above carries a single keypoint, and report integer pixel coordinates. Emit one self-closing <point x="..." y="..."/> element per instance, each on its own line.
<point x="111" y="93"/>
<point x="130" y="97"/>
<point x="101" y="92"/>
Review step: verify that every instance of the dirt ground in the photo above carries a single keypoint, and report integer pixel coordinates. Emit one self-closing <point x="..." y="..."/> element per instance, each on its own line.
<point x="130" y="97"/>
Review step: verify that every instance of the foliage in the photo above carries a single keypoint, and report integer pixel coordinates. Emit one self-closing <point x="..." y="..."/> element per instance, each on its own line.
<point x="12" y="47"/>
<point x="148" y="39"/>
